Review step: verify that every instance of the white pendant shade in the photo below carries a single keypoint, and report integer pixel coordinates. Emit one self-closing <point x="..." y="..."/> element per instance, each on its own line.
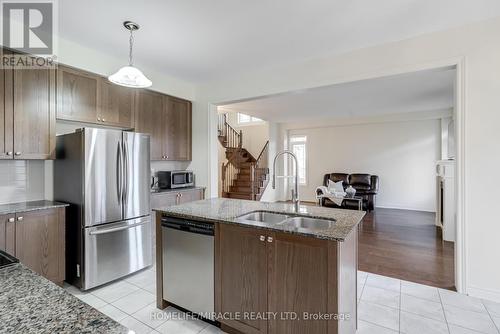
<point x="130" y="76"/>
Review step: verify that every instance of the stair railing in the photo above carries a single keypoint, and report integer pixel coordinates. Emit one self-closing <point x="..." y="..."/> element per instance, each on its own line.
<point x="234" y="139"/>
<point x="259" y="169"/>
<point x="229" y="173"/>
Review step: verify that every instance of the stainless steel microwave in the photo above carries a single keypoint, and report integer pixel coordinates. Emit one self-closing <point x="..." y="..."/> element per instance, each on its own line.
<point x="175" y="179"/>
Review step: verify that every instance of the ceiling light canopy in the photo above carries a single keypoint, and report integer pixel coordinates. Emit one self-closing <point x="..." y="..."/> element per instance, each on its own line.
<point x="130" y="76"/>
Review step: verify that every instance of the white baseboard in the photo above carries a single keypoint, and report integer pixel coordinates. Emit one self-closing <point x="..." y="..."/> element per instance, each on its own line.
<point x="493" y="295"/>
<point x="397" y="207"/>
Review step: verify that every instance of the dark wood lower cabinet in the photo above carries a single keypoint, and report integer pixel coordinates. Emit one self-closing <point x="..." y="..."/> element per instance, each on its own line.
<point x="37" y="239"/>
<point x="296" y="281"/>
<point x="243" y="278"/>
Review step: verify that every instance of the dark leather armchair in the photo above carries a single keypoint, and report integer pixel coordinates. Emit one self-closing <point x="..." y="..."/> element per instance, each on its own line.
<point x="366" y="186"/>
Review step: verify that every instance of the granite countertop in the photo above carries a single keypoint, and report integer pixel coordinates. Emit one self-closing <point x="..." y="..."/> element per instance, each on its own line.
<point x="32" y="304"/>
<point x="29" y="206"/>
<point x="225" y="210"/>
<point x="160" y="191"/>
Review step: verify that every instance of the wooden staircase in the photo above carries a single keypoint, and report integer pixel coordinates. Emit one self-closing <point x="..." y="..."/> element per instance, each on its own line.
<point x="243" y="175"/>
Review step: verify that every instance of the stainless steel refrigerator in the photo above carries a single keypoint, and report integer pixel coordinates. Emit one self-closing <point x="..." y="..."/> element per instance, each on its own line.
<point x="105" y="176"/>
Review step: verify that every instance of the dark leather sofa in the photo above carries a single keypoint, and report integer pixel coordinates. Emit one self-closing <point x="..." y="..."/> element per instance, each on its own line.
<point x="366" y="186"/>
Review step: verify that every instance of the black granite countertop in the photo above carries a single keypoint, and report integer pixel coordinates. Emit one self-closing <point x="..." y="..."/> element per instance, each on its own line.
<point x="29" y="206"/>
<point x="225" y="210"/>
<point x="32" y="304"/>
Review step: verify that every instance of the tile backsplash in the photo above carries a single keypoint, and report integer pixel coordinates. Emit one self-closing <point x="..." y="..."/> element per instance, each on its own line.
<point x="21" y="180"/>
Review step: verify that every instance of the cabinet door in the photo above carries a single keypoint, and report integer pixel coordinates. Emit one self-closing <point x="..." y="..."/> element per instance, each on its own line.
<point x="161" y="200"/>
<point x="116" y="104"/>
<point x="6" y="112"/>
<point x="191" y="195"/>
<point x="242" y="285"/>
<point x="77" y="93"/>
<point x="149" y="115"/>
<point x="298" y="281"/>
<point x="34" y="114"/>
<point x="40" y="242"/>
<point x="7" y="233"/>
<point x="178" y="129"/>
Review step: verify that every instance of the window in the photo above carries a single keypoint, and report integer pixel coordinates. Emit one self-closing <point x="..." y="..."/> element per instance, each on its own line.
<point x="247" y="119"/>
<point x="298" y="145"/>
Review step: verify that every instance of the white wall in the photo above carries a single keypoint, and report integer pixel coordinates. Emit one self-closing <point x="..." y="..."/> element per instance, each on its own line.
<point x="475" y="45"/>
<point x="402" y="154"/>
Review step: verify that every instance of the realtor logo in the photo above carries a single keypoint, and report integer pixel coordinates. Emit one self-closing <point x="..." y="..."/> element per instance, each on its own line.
<point x="28" y="27"/>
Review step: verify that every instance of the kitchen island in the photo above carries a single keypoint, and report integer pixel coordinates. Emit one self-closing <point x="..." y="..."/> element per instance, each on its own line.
<point x="275" y="272"/>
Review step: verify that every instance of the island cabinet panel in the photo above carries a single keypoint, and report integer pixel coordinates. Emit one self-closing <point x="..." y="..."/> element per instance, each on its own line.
<point x="150" y="119"/>
<point x="40" y="242"/>
<point x="242" y="276"/>
<point x="298" y="282"/>
<point x="286" y="275"/>
<point x="77" y="95"/>
<point x="34" y="114"/>
<point x="116" y="105"/>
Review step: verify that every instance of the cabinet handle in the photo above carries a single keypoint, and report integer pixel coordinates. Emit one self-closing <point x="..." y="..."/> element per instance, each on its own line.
<point x="20" y="219"/>
<point x="104" y="120"/>
<point x="166" y="157"/>
<point x="269" y="239"/>
<point x="98" y="119"/>
<point x="180" y="194"/>
<point x="11" y="220"/>
<point x="262" y="238"/>
<point x="17" y="153"/>
<point x="9" y="153"/>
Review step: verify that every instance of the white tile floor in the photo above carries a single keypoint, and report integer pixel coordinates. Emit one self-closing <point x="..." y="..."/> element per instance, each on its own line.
<point x="131" y="302"/>
<point x="386" y="306"/>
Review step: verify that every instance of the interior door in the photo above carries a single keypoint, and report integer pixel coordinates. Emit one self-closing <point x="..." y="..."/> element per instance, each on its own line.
<point x="137" y="175"/>
<point x="103" y="175"/>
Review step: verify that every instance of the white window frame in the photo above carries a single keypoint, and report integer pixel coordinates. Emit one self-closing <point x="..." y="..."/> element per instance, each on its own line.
<point x="253" y="120"/>
<point x="291" y="144"/>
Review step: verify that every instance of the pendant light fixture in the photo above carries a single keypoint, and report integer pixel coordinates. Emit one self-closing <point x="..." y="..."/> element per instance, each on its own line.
<point x="130" y="76"/>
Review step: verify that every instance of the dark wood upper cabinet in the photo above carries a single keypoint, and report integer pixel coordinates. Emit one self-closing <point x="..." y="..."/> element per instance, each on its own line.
<point x="149" y="119"/>
<point x="39" y="242"/>
<point x="77" y="95"/>
<point x="242" y="285"/>
<point x="116" y="105"/>
<point x="6" y="112"/>
<point x="177" y="129"/>
<point x="34" y="114"/>
<point x="27" y="113"/>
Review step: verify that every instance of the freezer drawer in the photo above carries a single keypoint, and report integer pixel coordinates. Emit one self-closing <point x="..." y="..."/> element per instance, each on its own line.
<point x="115" y="250"/>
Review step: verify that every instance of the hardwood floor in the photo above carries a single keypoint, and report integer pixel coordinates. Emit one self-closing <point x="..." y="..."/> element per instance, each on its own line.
<point x="406" y="245"/>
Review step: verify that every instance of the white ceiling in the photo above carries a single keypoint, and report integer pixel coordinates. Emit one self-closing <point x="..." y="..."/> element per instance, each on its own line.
<point x="418" y="91"/>
<point x="200" y="40"/>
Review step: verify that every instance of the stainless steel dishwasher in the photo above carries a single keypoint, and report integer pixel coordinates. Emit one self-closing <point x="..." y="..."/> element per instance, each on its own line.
<point x="188" y="264"/>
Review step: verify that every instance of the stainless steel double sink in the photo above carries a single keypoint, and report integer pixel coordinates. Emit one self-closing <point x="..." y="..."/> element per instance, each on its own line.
<point x="285" y="222"/>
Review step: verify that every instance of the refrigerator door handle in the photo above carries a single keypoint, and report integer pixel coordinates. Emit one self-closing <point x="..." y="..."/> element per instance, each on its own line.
<point x="116" y="229"/>
<point x="119" y="177"/>
<point x="126" y="178"/>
